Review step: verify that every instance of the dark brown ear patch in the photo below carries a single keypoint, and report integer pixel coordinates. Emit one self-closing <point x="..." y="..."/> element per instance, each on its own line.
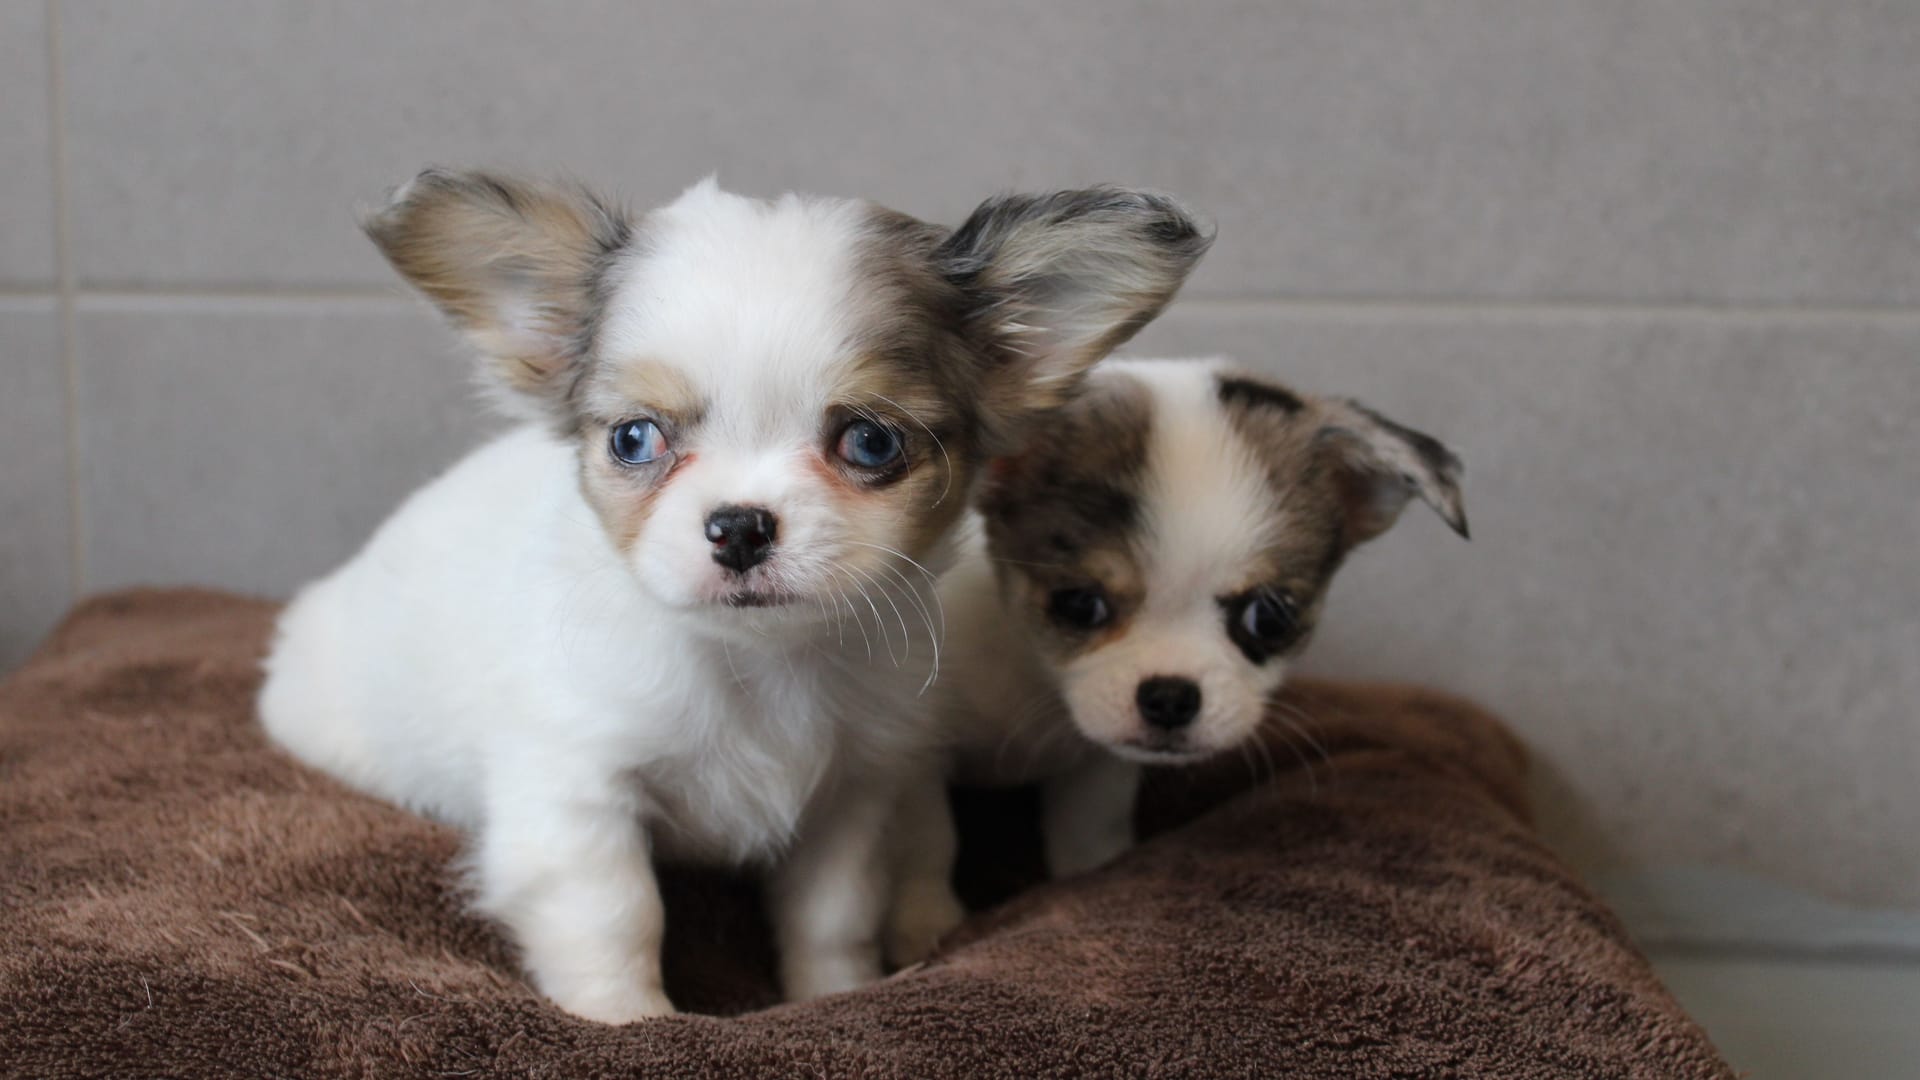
<point x="1254" y="394"/>
<point x="1075" y="488"/>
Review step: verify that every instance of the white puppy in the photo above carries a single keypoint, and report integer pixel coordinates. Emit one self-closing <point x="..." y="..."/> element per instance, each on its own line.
<point x="1141" y="574"/>
<point x="675" y="614"/>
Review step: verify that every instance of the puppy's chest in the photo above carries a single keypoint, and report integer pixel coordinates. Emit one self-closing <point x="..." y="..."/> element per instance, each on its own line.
<point x="751" y="755"/>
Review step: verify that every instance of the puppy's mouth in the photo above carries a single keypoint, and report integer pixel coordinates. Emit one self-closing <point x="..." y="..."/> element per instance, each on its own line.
<point x="1160" y="748"/>
<point x="757" y="598"/>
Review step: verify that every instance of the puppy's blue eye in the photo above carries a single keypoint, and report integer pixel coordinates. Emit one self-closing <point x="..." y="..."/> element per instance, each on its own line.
<point x="869" y="445"/>
<point x="1082" y="609"/>
<point x="637" y="442"/>
<point x="1270" y="619"/>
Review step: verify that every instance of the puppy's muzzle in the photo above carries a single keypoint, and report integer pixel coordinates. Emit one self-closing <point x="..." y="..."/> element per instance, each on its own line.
<point x="742" y="536"/>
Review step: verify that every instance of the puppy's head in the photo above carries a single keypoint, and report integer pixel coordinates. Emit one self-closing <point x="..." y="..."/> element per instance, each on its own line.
<point x="778" y="403"/>
<point x="1170" y="534"/>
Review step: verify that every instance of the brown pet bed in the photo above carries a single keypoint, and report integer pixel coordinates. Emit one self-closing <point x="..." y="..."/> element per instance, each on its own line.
<point x="178" y="899"/>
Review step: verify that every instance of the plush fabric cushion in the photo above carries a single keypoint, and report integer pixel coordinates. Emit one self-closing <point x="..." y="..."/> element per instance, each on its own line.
<point x="1361" y="897"/>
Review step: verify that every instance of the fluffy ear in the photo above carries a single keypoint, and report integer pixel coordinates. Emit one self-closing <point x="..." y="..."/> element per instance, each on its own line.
<point x="1379" y="465"/>
<point x="515" y="266"/>
<point x="1055" y="282"/>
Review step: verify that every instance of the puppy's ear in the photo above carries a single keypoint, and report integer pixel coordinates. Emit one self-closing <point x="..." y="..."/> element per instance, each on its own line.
<point x="1378" y="465"/>
<point x="1054" y="282"/>
<point x="515" y="266"/>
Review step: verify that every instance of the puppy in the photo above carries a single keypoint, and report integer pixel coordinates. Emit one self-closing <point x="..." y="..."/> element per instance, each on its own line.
<point x="675" y="613"/>
<point x="1140" y="576"/>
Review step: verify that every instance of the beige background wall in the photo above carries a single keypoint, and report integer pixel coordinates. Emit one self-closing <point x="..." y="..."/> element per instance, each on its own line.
<point x="1654" y="266"/>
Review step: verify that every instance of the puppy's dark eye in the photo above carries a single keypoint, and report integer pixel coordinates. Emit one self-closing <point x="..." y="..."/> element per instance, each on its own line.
<point x="637" y="442"/>
<point x="869" y="445"/>
<point x="1082" y="609"/>
<point x="1270" y="618"/>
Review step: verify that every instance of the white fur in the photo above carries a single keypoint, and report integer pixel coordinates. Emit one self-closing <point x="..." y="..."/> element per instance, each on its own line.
<point x="491" y="659"/>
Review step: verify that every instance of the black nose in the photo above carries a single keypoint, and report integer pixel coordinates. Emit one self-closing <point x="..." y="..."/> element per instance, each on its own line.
<point x="742" y="536"/>
<point x="1168" y="702"/>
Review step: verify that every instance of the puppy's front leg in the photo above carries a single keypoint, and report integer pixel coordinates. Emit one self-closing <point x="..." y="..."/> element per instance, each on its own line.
<point x="564" y="862"/>
<point x="828" y="898"/>
<point x="921" y="849"/>
<point x="1087" y="814"/>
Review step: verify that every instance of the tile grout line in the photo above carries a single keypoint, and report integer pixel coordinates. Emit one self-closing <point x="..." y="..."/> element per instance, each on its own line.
<point x="1468" y="306"/>
<point x="139" y="295"/>
<point x="1380" y="306"/>
<point x="63" y="270"/>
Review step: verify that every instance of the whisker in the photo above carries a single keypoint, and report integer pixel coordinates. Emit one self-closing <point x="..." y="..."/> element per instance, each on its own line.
<point x="1038" y="750"/>
<point x="898" y="554"/>
<point x="1246" y="757"/>
<point x="1286" y="732"/>
<point x="916" y="597"/>
<point x="919" y="606"/>
<point x="1288" y="728"/>
<point x="1305" y="728"/>
<point x="1266" y="755"/>
<point x="851" y="610"/>
<point x="1035" y="707"/>
<point x="726" y="650"/>
<point x="1313" y="773"/>
<point x="878" y="623"/>
<point x="907" y="639"/>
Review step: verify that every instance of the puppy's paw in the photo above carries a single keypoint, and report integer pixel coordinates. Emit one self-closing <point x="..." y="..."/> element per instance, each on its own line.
<point x="819" y="972"/>
<point x="1086" y="847"/>
<point x="606" y="999"/>
<point x="919" y="919"/>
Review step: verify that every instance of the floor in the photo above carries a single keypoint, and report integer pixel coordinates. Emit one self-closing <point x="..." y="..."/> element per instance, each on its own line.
<point x="1787" y="1018"/>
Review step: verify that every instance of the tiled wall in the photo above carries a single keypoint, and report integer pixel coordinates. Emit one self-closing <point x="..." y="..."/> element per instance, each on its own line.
<point x="1653" y="265"/>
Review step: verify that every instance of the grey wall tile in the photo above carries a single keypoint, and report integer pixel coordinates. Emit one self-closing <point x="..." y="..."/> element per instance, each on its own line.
<point x="26" y="153"/>
<point x="1692" y="577"/>
<point x="255" y="445"/>
<point x="1690" y="586"/>
<point x="36" y="541"/>
<point x="1722" y="150"/>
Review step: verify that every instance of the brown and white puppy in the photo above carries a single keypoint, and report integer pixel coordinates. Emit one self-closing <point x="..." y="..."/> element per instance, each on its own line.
<point x="1144" y="571"/>
<point x="686" y="610"/>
